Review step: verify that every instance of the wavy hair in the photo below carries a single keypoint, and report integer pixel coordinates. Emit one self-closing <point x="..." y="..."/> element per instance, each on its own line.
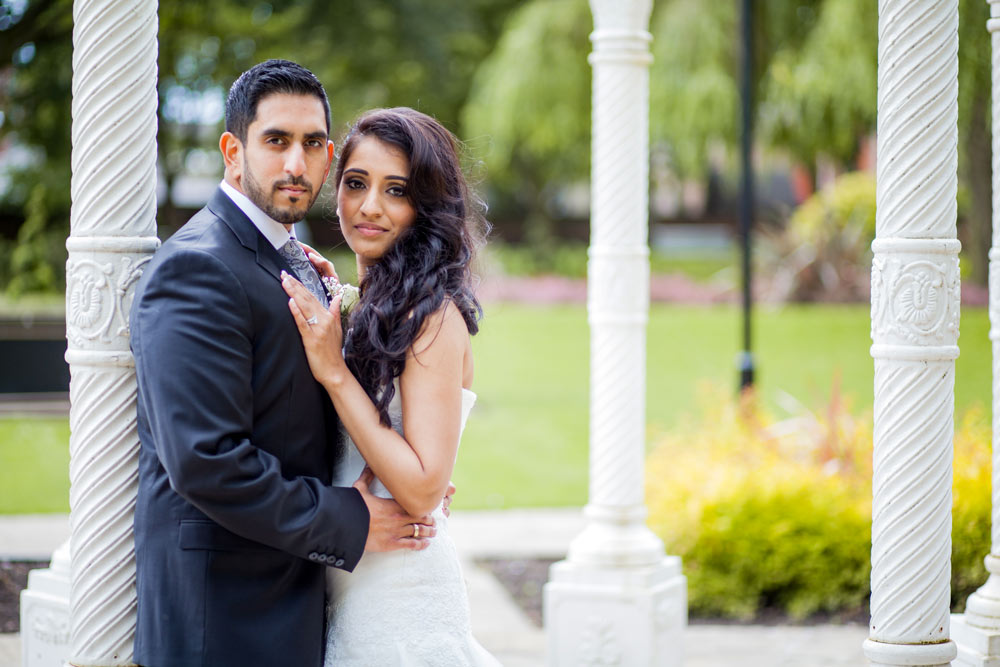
<point x="429" y="262"/>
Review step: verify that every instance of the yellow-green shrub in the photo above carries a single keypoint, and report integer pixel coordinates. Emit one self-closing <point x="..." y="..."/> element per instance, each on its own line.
<point x="776" y="515"/>
<point x="970" y="516"/>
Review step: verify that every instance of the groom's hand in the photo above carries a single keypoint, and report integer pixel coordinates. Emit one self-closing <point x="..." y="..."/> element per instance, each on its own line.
<point x="390" y="527"/>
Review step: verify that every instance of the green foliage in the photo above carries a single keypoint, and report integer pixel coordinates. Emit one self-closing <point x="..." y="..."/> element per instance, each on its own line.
<point x="825" y="248"/>
<point x="776" y="515"/>
<point x="35" y="93"/>
<point x="563" y="259"/>
<point x="37" y="259"/>
<point x="535" y="121"/>
<point x="793" y="549"/>
<point x="693" y="96"/>
<point x="812" y="108"/>
<point x="971" y="505"/>
<point x="569" y="260"/>
<point x="419" y="54"/>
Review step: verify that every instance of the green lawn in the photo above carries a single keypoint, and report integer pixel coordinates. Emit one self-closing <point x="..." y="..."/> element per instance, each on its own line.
<point x="526" y="442"/>
<point x="34" y="465"/>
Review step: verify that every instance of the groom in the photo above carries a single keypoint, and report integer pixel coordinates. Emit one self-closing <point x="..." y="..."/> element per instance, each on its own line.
<point x="236" y="520"/>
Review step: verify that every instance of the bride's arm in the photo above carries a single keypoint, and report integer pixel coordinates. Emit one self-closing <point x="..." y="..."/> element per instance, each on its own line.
<point x="417" y="469"/>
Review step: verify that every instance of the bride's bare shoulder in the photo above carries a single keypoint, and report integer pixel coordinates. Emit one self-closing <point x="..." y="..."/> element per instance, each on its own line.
<point x="445" y="327"/>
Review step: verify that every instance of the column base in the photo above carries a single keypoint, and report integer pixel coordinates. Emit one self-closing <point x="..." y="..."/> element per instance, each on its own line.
<point x="977" y="647"/>
<point x="45" y="639"/>
<point x="881" y="654"/>
<point x="616" y="615"/>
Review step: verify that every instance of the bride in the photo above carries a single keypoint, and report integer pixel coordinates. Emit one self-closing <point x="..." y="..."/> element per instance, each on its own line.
<point x="401" y="380"/>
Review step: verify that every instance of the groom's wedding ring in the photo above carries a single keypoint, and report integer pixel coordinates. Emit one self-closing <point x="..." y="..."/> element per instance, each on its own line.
<point x="312" y="320"/>
<point x="416" y="530"/>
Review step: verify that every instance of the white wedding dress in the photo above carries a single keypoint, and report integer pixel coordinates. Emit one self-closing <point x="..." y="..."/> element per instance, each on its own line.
<point x="401" y="608"/>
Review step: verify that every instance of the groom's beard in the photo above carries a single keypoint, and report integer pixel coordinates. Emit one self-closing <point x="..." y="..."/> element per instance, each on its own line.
<point x="287" y="215"/>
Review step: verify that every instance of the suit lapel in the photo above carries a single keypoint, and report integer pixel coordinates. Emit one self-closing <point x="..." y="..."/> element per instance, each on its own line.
<point x="267" y="257"/>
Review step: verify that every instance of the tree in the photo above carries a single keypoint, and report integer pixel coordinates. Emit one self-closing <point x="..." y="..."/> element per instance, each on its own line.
<point x="415" y="53"/>
<point x="531" y="100"/>
<point x="974" y="132"/>
<point x="814" y="88"/>
<point x="693" y="99"/>
<point x="35" y="88"/>
<point x="819" y="98"/>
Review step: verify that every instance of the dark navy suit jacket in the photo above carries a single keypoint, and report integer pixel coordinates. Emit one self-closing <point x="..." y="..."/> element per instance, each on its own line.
<point x="235" y="519"/>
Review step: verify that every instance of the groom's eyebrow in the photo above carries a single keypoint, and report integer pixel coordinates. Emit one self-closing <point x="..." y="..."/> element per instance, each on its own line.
<point x="278" y="132"/>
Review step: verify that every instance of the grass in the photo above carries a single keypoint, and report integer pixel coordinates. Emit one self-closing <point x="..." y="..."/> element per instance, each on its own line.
<point x="34" y="465"/>
<point x="526" y="444"/>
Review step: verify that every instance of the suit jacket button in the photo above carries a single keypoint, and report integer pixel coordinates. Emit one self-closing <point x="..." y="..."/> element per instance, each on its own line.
<point x="313" y="556"/>
<point x="339" y="562"/>
<point x="322" y="558"/>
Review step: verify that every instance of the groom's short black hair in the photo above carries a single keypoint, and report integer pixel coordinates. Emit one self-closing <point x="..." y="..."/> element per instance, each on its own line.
<point x="268" y="78"/>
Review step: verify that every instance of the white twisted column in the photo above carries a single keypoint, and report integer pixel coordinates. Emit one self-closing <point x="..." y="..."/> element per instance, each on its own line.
<point x="977" y="632"/>
<point x="113" y="232"/>
<point x="915" y="316"/>
<point x="617" y="599"/>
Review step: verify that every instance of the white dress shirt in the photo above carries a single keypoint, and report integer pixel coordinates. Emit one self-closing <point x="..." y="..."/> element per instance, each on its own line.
<point x="275" y="232"/>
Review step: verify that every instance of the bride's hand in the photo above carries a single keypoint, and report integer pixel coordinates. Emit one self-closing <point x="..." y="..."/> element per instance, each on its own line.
<point x="322" y="336"/>
<point x="323" y="266"/>
<point x="446" y="503"/>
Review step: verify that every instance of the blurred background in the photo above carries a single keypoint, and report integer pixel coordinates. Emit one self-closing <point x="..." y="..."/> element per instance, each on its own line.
<point x="766" y="494"/>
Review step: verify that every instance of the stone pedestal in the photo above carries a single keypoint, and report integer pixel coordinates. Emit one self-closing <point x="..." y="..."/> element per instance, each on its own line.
<point x="977" y="647"/>
<point x="616" y="616"/>
<point x="45" y="614"/>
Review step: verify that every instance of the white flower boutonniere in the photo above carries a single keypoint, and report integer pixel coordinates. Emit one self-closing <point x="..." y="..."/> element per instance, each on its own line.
<point x="350" y="295"/>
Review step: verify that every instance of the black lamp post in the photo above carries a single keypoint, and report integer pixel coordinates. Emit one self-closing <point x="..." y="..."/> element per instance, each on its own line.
<point x="746" y="195"/>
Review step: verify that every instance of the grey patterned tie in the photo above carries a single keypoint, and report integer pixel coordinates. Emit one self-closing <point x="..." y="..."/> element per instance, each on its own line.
<point x="303" y="268"/>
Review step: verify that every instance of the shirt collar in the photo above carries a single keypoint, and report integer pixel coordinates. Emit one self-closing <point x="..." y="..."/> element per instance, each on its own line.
<point x="273" y="231"/>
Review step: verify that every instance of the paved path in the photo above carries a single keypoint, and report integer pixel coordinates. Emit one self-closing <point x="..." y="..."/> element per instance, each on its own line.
<point x="498" y="622"/>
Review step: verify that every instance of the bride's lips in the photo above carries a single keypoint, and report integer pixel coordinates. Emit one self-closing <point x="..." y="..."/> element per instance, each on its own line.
<point x="366" y="229"/>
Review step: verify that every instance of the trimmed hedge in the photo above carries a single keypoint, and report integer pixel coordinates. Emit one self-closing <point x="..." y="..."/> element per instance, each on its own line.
<point x="775" y="515"/>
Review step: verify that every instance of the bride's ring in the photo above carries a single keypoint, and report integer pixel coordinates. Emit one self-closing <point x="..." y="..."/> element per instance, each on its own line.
<point x="312" y="320"/>
<point x="416" y="530"/>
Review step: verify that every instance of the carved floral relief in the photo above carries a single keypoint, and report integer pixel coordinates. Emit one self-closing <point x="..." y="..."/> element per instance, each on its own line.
<point x="98" y="298"/>
<point x="915" y="301"/>
<point x="600" y="646"/>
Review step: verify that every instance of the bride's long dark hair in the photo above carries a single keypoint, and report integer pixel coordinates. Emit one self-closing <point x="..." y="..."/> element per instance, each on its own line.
<point x="430" y="261"/>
